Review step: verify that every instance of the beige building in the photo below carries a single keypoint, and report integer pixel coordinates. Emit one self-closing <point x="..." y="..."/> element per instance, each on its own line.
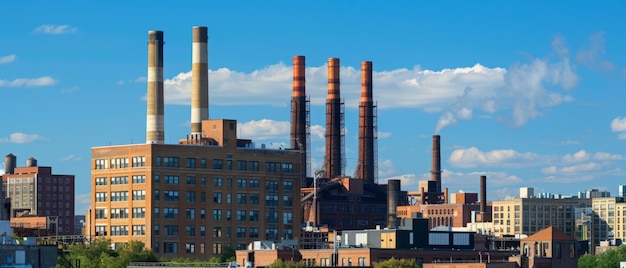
<point x="193" y="199"/>
<point x="526" y="216"/>
<point x="609" y="219"/>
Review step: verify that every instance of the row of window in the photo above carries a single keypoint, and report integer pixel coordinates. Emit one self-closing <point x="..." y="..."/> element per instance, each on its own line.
<point x="174" y="162"/>
<point x="136" y="179"/>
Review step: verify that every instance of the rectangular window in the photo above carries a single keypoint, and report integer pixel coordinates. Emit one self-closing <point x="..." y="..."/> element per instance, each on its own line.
<point x="229" y="164"/>
<point x="170" y="195"/>
<point x="119" y="196"/>
<point x="170" y="247"/>
<point x="217" y="231"/>
<point x="101" y="213"/>
<point x="202" y="231"/>
<point x="272" y="166"/>
<point x="119" y="230"/>
<point x="287" y="218"/>
<point x="156" y="213"/>
<point x="157" y="161"/>
<point x="119" y="180"/>
<point x="157" y="195"/>
<point x="191" y="230"/>
<point x="139" y="194"/>
<point x="287" y="201"/>
<point x="170" y="179"/>
<point x="119" y="213"/>
<point x="241" y="231"/>
<point x="218" y="164"/>
<point x="191" y="180"/>
<point x="254" y="215"/>
<point x="190" y="248"/>
<point x="254" y="183"/>
<point x="287" y="185"/>
<point x="241" y="183"/>
<point x="241" y="165"/>
<point x="202" y="213"/>
<point x="288" y="167"/>
<point x="202" y="163"/>
<point x="241" y="215"/>
<point x="170" y="213"/>
<point x="101" y="230"/>
<point x="171" y="229"/>
<point x="254" y="232"/>
<point x="139" y="230"/>
<point x="157" y="179"/>
<point x="217" y="214"/>
<point x="190" y="196"/>
<point x="190" y="163"/>
<point x="241" y="198"/>
<point x="101" y="181"/>
<point x="254" y="199"/>
<point x="217" y="248"/>
<point x="253" y="166"/>
<point x="217" y="197"/>
<point x="139" y="161"/>
<point x="271" y="200"/>
<point x="139" y="213"/>
<point x="139" y="179"/>
<point x="190" y="213"/>
<point x="271" y="185"/>
<point x="217" y="182"/>
<point x="170" y="162"/>
<point x="101" y="164"/>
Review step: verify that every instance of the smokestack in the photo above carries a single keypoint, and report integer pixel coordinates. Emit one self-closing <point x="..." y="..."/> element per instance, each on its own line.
<point x="435" y="171"/>
<point x="154" y="122"/>
<point x="366" y="162"/>
<point x="333" y="161"/>
<point x="9" y="164"/>
<point x="483" y="195"/>
<point x="199" y="80"/>
<point x="298" y="112"/>
<point x="393" y="190"/>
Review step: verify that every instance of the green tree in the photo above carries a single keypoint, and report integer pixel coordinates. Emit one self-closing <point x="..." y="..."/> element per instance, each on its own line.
<point x="609" y="258"/>
<point x="98" y="254"/>
<point x="397" y="263"/>
<point x="286" y="264"/>
<point x="228" y="254"/>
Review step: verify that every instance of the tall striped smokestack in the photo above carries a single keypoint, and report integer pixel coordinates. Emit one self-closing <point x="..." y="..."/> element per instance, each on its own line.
<point x="435" y="171"/>
<point x="483" y="196"/>
<point x="298" y="111"/>
<point x="366" y="126"/>
<point x="393" y="193"/>
<point x="154" y="122"/>
<point x="333" y="122"/>
<point x="199" y="80"/>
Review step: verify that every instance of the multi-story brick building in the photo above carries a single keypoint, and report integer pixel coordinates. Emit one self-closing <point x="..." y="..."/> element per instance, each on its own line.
<point x="194" y="198"/>
<point x="34" y="191"/>
<point x="529" y="215"/>
<point x="608" y="219"/>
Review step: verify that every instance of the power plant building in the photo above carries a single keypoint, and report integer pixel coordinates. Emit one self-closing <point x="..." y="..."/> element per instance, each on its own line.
<point x="193" y="199"/>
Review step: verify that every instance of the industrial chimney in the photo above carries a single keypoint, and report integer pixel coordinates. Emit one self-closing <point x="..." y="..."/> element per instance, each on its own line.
<point x="199" y="81"/>
<point x="333" y="161"/>
<point x="154" y="122"/>
<point x="393" y="193"/>
<point x="9" y="164"/>
<point x="483" y="197"/>
<point x="299" y="115"/>
<point x="435" y="171"/>
<point x="366" y="163"/>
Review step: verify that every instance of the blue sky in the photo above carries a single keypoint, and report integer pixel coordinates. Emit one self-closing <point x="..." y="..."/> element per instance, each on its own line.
<point x="530" y="95"/>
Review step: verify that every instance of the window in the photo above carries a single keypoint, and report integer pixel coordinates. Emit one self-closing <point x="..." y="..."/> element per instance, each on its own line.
<point x="157" y="179"/>
<point x="203" y="163"/>
<point x="254" y="199"/>
<point x="101" y="230"/>
<point x="170" y="179"/>
<point x="155" y="230"/>
<point x="254" y="183"/>
<point x="271" y="233"/>
<point x="287" y="201"/>
<point x="217" y="231"/>
<point x="139" y="179"/>
<point x="101" y="181"/>
<point x="156" y="213"/>
<point x="101" y="213"/>
<point x="272" y="167"/>
<point x="241" y="165"/>
<point x="202" y="213"/>
<point x="119" y="180"/>
<point x="170" y="247"/>
<point x="190" y="197"/>
<point x="139" y="213"/>
<point x="191" y="230"/>
<point x="101" y="164"/>
<point x="139" y="161"/>
<point x="241" y="231"/>
<point x="119" y="230"/>
<point x="190" y="213"/>
<point x="139" y="195"/>
<point x="171" y="229"/>
<point x="170" y="162"/>
<point x="218" y="164"/>
<point x="241" y="183"/>
<point x="170" y="195"/>
<point x="217" y="214"/>
<point x="119" y="196"/>
<point x="119" y="213"/>
<point x="253" y="166"/>
<point x="158" y="161"/>
<point x="217" y="248"/>
<point x="271" y="216"/>
<point x="254" y="215"/>
<point x="202" y="231"/>
<point x="254" y="232"/>
<point x="217" y="197"/>
<point x="241" y="198"/>
<point x="170" y="213"/>
<point x="229" y="164"/>
<point x="119" y="162"/>
<point x="191" y="180"/>
<point x="191" y="163"/>
<point x="190" y="248"/>
<point x="287" y="185"/>
<point x="287" y="218"/>
<point x="139" y="229"/>
<point x="217" y="182"/>
<point x="271" y="185"/>
<point x="101" y="197"/>
<point x="288" y="167"/>
<point x="241" y="215"/>
<point x="271" y="200"/>
<point x="157" y="195"/>
<point x="228" y="198"/>
<point x="202" y="197"/>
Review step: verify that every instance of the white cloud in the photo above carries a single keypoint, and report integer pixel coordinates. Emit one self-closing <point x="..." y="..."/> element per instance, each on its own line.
<point x="385" y="168"/>
<point x="29" y="82"/>
<point x="591" y="57"/>
<point x="618" y="124"/>
<point x="472" y="157"/>
<point x="55" y="29"/>
<point x="7" y="59"/>
<point x="71" y="157"/>
<point x="19" y="137"/>
<point x="264" y="129"/>
<point x="581" y="155"/>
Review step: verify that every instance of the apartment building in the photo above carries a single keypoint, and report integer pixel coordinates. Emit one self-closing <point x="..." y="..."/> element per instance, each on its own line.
<point x="609" y="219"/>
<point x="529" y="215"/>
<point x="193" y="199"/>
<point x="35" y="191"/>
